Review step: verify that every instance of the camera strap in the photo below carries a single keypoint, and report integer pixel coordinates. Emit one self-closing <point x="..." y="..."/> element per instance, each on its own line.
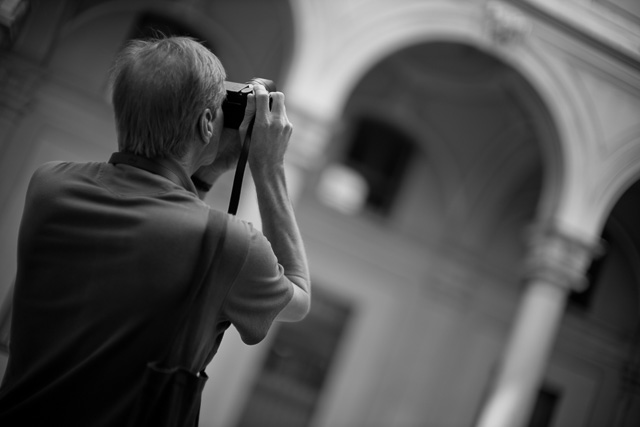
<point x="239" y="175"/>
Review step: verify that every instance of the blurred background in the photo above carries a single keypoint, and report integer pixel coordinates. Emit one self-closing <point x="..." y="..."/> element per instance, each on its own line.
<point x="465" y="174"/>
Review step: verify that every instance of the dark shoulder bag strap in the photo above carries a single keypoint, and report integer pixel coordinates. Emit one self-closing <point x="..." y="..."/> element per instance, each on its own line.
<point x="170" y="392"/>
<point x="172" y="386"/>
<point x="181" y="352"/>
<point x="195" y="340"/>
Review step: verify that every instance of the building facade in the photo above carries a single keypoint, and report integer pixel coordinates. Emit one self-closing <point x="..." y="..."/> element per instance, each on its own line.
<point x="465" y="174"/>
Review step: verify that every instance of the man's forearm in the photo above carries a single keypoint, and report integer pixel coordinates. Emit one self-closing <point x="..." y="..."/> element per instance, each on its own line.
<point x="279" y="224"/>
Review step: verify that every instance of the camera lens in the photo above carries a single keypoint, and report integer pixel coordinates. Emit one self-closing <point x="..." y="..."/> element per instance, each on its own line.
<point x="268" y="84"/>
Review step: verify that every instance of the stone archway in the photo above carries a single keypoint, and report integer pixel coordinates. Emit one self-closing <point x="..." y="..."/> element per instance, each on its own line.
<point x="610" y="311"/>
<point x="327" y="65"/>
<point x="335" y="62"/>
<point x="479" y="128"/>
<point x="469" y="194"/>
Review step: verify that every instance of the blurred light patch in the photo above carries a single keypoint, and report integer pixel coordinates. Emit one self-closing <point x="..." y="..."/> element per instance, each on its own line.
<point x="500" y="412"/>
<point x="343" y="189"/>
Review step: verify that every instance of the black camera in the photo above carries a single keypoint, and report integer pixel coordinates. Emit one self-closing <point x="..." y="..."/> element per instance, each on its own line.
<point x="236" y="101"/>
<point x="233" y="108"/>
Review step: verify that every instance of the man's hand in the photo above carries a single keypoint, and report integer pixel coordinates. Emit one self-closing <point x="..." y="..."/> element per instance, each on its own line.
<point x="271" y="130"/>
<point x="269" y="141"/>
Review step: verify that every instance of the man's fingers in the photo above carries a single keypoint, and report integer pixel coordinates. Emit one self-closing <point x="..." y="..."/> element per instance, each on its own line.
<point x="250" y="108"/>
<point x="262" y="100"/>
<point x="270" y="109"/>
<point x="249" y="113"/>
<point x="277" y="103"/>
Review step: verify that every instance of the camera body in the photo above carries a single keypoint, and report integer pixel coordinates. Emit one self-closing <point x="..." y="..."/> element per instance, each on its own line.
<point x="236" y="101"/>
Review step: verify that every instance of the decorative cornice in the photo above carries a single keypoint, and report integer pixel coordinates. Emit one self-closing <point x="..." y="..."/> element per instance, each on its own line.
<point x="572" y="30"/>
<point x="505" y="24"/>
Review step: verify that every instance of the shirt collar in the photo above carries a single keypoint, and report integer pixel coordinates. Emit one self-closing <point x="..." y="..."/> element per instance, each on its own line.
<point x="165" y="167"/>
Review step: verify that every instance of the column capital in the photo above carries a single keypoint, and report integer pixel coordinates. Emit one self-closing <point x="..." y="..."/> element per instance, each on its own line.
<point x="311" y="135"/>
<point x="559" y="257"/>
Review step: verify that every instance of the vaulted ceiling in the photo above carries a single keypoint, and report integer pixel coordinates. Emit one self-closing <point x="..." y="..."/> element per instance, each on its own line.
<point x="467" y="112"/>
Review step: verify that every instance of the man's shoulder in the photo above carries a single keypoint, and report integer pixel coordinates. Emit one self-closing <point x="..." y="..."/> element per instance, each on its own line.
<point x="57" y="167"/>
<point x="247" y="236"/>
<point x="240" y="228"/>
<point x="51" y="174"/>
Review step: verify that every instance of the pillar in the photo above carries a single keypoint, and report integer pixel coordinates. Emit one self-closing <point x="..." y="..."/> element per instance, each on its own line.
<point x="555" y="265"/>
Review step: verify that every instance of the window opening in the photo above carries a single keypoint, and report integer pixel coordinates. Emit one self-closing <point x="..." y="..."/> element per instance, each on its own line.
<point x="296" y="367"/>
<point x="381" y="154"/>
<point x="545" y="407"/>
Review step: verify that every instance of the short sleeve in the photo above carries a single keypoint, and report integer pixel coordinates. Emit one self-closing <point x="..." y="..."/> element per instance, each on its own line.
<point x="260" y="291"/>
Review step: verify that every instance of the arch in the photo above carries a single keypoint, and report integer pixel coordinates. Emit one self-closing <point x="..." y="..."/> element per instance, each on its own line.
<point x="336" y="61"/>
<point x="623" y="173"/>
<point x="243" y="54"/>
<point x="628" y="241"/>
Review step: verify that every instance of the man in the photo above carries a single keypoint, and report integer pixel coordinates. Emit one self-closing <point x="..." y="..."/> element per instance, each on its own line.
<point x="107" y="251"/>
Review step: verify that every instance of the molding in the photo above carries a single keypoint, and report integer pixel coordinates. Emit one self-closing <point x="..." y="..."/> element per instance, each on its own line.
<point x="619" y="10"/>
<point x="506" y="25"/>
<point x="574" y="31"/>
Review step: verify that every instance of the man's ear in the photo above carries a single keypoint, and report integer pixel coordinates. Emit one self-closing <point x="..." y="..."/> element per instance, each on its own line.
<point x="205" y="125"/>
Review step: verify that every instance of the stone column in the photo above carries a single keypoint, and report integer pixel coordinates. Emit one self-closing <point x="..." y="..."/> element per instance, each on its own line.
<point x="555" y="265"/>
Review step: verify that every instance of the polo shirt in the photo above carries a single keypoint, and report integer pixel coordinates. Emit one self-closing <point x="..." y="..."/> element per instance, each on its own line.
<point x="106" y="253"/>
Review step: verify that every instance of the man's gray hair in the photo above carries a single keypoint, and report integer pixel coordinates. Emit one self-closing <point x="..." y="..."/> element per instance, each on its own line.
<point x="160" y="89"/>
